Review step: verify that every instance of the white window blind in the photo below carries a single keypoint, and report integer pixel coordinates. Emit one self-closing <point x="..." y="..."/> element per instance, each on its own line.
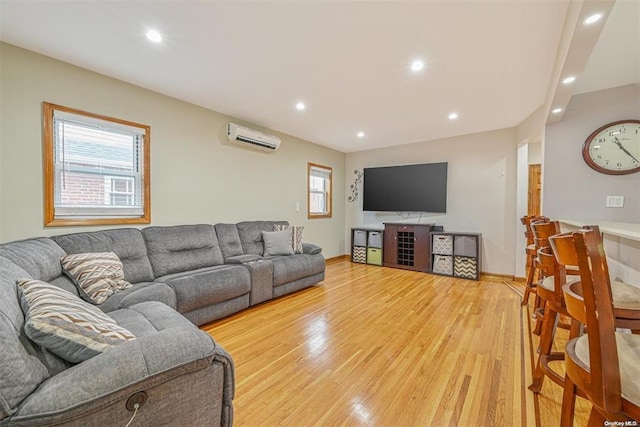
<point x="98" y="167"/>
<point x="319" y="188"/>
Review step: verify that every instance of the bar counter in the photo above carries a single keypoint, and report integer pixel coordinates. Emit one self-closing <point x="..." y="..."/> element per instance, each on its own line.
<point x="621" y="244"/>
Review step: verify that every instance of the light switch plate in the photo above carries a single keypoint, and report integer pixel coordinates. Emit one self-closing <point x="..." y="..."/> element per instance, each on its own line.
<point x="615" y="201"/>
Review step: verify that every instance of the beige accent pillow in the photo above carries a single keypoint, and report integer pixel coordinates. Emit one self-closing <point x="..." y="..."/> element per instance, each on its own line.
<point x="64" y="324"/>
<point x="97" y="275"/>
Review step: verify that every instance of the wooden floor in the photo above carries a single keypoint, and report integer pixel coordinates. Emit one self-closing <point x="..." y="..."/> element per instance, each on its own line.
<point x="377" y="346"/>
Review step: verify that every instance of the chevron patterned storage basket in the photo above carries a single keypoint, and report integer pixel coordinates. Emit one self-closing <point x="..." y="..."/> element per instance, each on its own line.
<point x="359" y="254"/>
<point x="465" y="267"/>
<point x="443" y="244"/>
<point x="443" y="264"/>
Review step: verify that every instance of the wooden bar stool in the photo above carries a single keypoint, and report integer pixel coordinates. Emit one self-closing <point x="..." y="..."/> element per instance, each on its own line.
<point x="554" y="276"/>
<point x="530" y="250"/>
<point x="626" y="298"/>
<point x="602" y="363"/>
<point x="626" y="306"/>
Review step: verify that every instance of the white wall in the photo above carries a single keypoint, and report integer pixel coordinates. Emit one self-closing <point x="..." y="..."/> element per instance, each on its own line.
<point x="522" y="206"/>
<point x="572" y="190"/>
<point x="534" y="153"/>
<point x="196" y="176"/>
<point x="481" y="193"/>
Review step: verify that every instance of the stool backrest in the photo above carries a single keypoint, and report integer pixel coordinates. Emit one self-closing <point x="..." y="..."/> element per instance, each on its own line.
<point x="604" y="370"/>
<point x="542" y="231"/>
<point x="526" y="221"/>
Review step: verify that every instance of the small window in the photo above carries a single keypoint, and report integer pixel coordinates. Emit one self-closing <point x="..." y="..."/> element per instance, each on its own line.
<point x="96" y="169"/>
<point x="320" y="186"/>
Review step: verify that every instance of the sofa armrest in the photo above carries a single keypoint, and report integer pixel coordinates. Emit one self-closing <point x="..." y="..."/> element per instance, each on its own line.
<point x="311" y="249"/>
<point x="137" y="365"/>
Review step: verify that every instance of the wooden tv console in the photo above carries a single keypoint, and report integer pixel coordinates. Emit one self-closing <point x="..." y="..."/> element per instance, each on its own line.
<point x="408" y="246"/>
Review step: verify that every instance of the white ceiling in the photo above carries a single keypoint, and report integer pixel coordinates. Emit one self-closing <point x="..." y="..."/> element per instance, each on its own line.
<point x="615" y="60"/>
<point x="348" y="61"/>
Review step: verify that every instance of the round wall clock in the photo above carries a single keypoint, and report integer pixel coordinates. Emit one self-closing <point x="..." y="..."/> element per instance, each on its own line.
<point x="614" y="148"/>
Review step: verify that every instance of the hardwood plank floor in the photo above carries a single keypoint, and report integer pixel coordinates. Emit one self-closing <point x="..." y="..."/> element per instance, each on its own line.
<point x="386" y="347"/>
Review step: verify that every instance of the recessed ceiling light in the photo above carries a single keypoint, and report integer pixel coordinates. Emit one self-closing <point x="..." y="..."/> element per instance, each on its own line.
<point x="300" y="106"/>
<point x="569" y="80"/>
<point x="417" y="65"/>
<point x="360" y="134"/>
<point x="154" y="36"/>
<point x="453" y="116"/>
<point x="556" y="110"/>
<point x="593" y="19"/>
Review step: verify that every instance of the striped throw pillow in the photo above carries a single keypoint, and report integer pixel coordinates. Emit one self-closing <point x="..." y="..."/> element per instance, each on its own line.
<point x="296" y="235"/>
<point x="97" y="275"/>
<point x="65" y="325"/>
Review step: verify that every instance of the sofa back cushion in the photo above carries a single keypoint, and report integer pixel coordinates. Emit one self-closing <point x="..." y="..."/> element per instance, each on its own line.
<point x="40" y="257"/>
<point x="229" y="240"/>
<point x="182" y="248"/>
<point x="21" y="371"/>
<point x="127" y="243"/>
<point x="250" y="233"/>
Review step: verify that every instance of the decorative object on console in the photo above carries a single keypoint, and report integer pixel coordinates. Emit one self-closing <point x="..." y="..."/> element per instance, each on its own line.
<point x="354" y="187"/>
<point x="65" y="325"/>
<point x="296" y="235"/>
<point x="614" y="148"/>
<point x="97" y="275"/>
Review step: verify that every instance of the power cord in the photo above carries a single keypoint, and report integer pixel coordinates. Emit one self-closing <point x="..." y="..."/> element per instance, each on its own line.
<point x="135" y="411"/>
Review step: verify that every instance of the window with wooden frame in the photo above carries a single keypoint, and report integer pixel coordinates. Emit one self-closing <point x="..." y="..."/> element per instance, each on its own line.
<point x="96" y="169"/>
<point x="319" y="187"/>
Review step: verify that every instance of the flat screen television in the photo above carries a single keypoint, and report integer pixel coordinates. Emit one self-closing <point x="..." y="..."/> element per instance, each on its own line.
<point x="408" y="188"/>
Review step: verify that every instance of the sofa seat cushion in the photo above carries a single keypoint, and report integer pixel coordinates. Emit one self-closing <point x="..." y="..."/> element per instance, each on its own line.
<point x="140" y="292"/>
<point x="64" y="324"/>
<point x="182" y="248"/>
<point x="127" y="243"/>
<point x="293" y="267"/>
<point x="207" y="286"/>
<point x="147" y="318"/>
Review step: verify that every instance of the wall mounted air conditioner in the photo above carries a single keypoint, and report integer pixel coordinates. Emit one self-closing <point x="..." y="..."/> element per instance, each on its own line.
<point x="252" y="138"/>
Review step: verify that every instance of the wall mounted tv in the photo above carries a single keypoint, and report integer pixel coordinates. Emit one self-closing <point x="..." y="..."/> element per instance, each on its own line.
<point x="408" y="188"/>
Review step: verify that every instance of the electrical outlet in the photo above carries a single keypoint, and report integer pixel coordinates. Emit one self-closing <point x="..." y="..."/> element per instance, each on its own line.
<point x="615" y="201"/>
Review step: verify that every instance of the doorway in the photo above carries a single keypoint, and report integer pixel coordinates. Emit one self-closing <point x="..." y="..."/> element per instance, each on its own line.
<point x="533" y="198"/>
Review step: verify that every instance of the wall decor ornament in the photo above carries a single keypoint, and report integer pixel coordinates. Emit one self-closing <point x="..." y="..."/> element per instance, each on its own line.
<point x="354" y="187"/>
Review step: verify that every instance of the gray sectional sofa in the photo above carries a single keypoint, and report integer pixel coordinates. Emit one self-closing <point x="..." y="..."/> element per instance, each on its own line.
<point x="182" y="276"/>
